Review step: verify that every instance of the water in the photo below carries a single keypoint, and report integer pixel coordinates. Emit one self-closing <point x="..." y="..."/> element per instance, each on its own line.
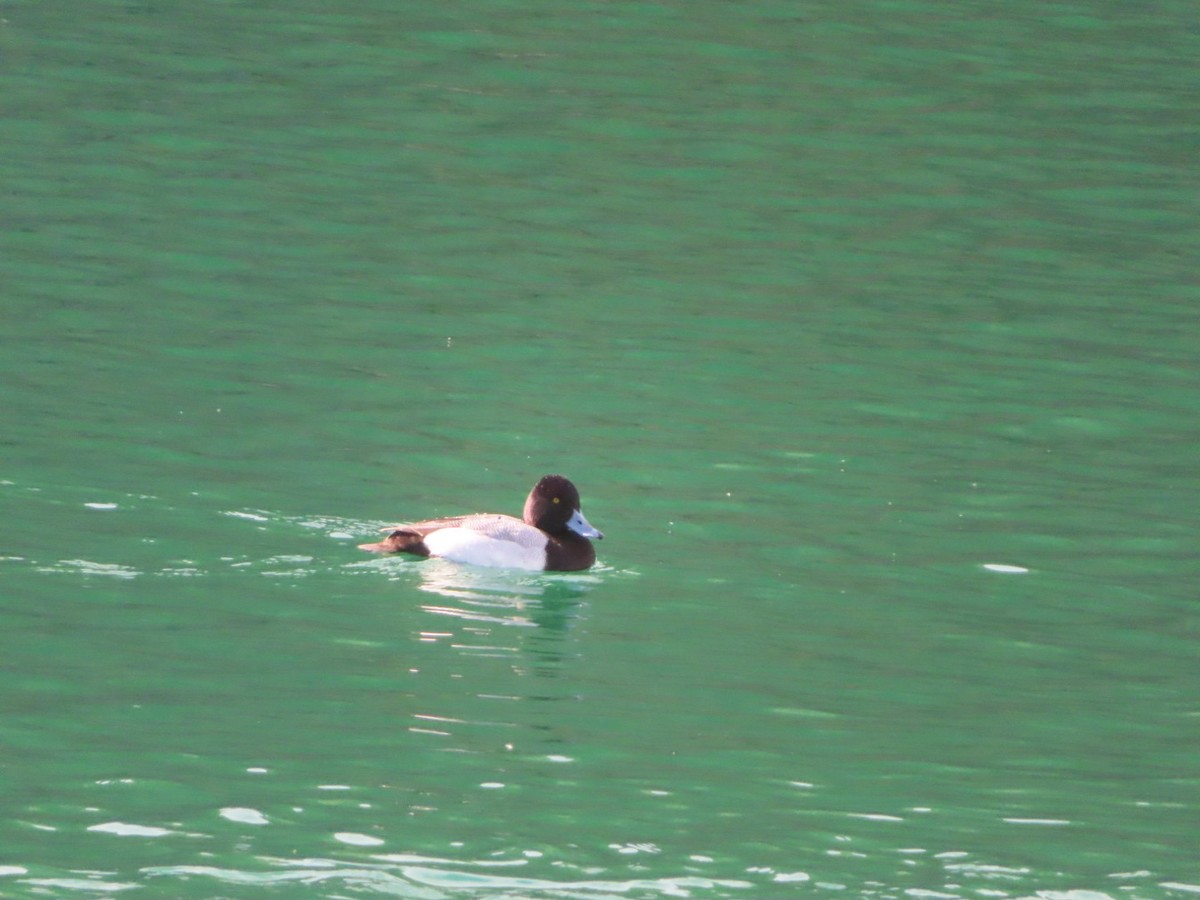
<point x="867" y="333"/>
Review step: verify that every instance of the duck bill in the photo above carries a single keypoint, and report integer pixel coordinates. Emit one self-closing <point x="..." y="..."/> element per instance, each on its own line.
<point x="582" y="527"/>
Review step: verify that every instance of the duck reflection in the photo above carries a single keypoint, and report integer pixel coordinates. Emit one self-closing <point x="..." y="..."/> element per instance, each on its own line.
<point x="504" y="597"/>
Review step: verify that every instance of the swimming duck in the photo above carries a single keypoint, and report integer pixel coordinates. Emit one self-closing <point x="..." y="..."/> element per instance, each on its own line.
<point x="553" y="536"/>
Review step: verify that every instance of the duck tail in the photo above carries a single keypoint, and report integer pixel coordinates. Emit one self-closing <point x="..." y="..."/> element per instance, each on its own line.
<point x="402" y="540"/>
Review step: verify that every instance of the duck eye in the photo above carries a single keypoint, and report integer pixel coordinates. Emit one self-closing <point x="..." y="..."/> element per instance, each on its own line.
<point x="555" y="500"/>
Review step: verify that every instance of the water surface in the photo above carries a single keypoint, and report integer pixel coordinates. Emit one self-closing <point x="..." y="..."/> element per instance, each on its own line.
<point x="866" y="331"/>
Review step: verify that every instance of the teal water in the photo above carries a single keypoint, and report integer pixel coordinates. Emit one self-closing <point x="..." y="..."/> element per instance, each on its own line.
<point x="868" y="332"/>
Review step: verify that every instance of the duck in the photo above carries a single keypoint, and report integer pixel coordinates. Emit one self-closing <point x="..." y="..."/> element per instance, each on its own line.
<point x="552" y="535"/>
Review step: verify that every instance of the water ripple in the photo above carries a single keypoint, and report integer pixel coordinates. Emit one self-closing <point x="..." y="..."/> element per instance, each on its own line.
<point x="426" y="882"/>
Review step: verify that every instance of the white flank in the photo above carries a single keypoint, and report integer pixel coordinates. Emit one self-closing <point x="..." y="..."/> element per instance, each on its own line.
<point x="467" y="546"/>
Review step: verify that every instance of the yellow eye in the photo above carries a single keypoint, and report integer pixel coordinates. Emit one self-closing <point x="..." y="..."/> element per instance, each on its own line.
<point x="555" y="499"/>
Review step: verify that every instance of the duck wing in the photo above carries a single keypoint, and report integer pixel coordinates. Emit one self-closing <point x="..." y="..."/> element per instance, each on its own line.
<point x="410" y="538"/>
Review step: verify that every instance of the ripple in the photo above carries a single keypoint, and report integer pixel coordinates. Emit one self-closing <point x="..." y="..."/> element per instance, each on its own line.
<point x="249" y="516"/>
<point x="244" y="815"/>
<point x="88" y="567"/>
<point x="530" y="876"/>
<point x="1051" y="822"/>
<point x="358" y="840"/>
<point x="426" y="882"/>
<point x="417" y="877"/>
<point x="791" y="877"/>
<point x="80" y="884"/>
<point x="1006" y="568"/>
<point x="126" y="829"/>
<point x="672" y="887"/>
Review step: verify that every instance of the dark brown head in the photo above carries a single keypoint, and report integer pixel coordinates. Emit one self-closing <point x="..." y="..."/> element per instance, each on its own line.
<point x="553" y="506"/>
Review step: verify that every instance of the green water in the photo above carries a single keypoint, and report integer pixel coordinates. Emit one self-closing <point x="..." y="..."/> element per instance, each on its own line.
<point x="868" y="332"/>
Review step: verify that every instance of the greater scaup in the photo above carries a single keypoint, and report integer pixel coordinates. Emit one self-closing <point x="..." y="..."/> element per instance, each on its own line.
<point x="553" y="537"/>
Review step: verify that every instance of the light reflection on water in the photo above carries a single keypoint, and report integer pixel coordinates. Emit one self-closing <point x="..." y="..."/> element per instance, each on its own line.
<point x="532" y="876"/>
<point x="433" y="879"/>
